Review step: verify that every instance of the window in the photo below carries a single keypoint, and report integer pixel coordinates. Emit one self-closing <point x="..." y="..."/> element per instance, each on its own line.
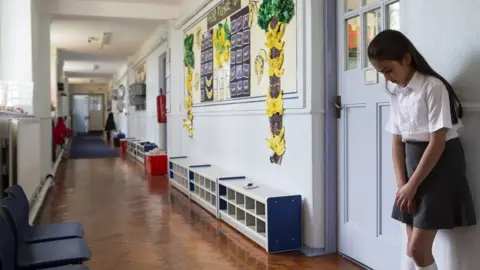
<point x="95" y="102"/>
<point x="393" y="19"/>
<point x="351" y="5"/>
<point x="353" y="38"/>
<point x="369" y="2"/>
<point x="373" y="26"/>
<point x="364" y="19"/>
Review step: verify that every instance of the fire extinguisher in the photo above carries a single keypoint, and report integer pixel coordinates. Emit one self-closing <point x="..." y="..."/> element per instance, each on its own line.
<point x="162" y="107"/>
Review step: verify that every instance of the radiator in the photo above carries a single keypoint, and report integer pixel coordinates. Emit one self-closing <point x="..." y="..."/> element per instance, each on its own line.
<point x="20" y="156"/>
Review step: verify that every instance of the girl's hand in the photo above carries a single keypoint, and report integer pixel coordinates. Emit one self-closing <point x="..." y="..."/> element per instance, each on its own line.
<point x="405" y="198"/>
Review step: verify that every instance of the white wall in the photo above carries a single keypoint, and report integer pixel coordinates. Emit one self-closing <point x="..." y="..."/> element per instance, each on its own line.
<point x="452" y="48"/>
<point x="16" y="41"/>
<point x="143" y="124"/>
<point x="121" y="117"/>
<point x="153" y="128"/>
<point x="40" y="48"/>
<point x="234" y="136"/>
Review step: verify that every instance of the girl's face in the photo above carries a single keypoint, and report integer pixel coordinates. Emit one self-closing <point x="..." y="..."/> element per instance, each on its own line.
<point x="394" y="71"/>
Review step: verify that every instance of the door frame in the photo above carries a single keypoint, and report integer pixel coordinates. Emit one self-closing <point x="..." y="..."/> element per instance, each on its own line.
<point x="88" y="94"/>
<point x="330" y="33"/>
<point x="162" y="63"/>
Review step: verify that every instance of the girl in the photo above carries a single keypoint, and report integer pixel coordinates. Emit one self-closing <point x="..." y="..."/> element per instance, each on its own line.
<point x="428" y="157"/>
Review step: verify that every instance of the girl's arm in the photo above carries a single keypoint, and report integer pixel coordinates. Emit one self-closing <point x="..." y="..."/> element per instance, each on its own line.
<point x="440" y="121"/>
<point x="398" y="156"/>
<point x="430" y="157"/>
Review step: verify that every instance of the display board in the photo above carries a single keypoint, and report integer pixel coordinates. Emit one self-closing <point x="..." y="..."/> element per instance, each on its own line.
<point x="226" y="55"/>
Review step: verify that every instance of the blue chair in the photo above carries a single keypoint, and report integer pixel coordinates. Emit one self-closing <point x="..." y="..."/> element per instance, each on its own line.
<point x="46" y="232"/>
<point x="7" y="244"/>
<point x="7" y="251"/>
<point x="39" y="255"/>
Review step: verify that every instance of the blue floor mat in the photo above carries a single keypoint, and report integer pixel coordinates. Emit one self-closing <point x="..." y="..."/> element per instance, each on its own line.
<point x="86" y="147"/>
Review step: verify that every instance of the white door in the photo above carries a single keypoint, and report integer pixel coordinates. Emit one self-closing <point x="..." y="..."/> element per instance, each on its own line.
<point x="367" y="233"/>
<point x="96" y="113"/>
<point x="80" y="114"/>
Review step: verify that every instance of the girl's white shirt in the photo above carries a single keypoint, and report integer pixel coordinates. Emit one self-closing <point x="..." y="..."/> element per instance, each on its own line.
<point x="420" y="108"/>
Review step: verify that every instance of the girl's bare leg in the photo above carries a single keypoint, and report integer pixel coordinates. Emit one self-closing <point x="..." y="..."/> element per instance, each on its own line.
<point x="420" y="248"/>
<point x="408" y="263"/>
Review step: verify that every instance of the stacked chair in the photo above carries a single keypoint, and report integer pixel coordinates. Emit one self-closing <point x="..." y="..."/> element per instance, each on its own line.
<point x="57" y="246"/>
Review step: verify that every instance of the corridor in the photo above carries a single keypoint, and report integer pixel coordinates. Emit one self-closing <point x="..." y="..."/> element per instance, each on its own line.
<point x="136" y="223"/>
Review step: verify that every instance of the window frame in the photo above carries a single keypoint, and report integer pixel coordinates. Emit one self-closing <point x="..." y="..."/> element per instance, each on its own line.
<point x="361" y="13"/>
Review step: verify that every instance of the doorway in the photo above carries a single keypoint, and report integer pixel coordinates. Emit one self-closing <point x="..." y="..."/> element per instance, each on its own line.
<point x="88" y="113"/>
<point x="366" y="186"/>
<point x="163" y="91"/>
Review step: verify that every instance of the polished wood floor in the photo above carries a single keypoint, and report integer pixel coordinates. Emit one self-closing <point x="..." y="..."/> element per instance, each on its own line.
<point x="136" y="222"/>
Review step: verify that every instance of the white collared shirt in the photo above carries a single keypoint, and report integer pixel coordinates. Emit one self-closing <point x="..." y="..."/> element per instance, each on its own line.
<point x="420" y="108"/>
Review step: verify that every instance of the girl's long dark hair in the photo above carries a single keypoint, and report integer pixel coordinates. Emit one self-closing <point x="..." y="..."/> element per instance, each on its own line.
<point x="392" y="45"/>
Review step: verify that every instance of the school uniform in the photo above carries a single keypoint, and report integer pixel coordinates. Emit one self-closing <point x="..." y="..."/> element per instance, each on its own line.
<point x="443" y="199"/>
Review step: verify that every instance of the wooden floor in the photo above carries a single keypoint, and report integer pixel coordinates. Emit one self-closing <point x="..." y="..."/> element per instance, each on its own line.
<point x="136" y="222"/>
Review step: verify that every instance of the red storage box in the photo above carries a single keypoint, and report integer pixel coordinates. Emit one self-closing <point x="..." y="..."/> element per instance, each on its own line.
<point x="156" y="164"/>
<point x="123" y="145"/>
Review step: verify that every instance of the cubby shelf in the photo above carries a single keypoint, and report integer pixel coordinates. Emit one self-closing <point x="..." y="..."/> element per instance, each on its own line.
<point x="131" y="147"/>
<point x="205" y="186"/>
<point x="270" y="218"/>
<point x="179" y="173"/>
<point x="136" y="149"/>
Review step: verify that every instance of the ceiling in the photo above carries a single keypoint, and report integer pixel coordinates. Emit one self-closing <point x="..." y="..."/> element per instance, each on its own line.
<point x="78" y="38"/>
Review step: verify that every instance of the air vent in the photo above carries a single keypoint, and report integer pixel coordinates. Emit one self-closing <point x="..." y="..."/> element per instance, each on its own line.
<point x="107" y="38"/>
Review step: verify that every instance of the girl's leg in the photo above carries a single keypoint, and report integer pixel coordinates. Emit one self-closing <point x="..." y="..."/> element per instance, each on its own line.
<point x="408" y="263"/>
<point x="420" y="247"/>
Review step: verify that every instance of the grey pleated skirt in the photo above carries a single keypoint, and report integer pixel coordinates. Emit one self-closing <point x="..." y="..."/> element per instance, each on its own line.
<point x="443" y="199"/>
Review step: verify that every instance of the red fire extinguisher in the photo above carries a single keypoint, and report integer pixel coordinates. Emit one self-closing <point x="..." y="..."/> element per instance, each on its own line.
<point x="162" y="107"/>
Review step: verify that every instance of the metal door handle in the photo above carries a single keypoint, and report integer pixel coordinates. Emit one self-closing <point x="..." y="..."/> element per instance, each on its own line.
<point x="337" y="105"/>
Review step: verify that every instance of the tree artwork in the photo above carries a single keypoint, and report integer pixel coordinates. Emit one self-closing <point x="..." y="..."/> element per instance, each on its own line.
<point x="273" y="17"/>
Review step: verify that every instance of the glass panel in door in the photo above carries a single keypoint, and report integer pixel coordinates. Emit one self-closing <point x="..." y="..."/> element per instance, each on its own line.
<point x="80" y="114"/>
<point x="96" y="113"/>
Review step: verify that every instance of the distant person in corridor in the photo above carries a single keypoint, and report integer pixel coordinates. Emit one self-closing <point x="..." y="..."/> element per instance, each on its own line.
<point x="110" y="126"/>
<point x="428" y="158"/>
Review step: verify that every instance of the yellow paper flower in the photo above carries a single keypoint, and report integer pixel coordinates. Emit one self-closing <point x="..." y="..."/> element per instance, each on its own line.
<point x="274" y="105"/>
<point x="277" y="143"/>
<point x="215" y="36"/>
<point x="222" y="36"/>
<point x="188" y="121"/>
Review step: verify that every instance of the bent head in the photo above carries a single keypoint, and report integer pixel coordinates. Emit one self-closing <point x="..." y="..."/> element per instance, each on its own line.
<point x="393" y="55"/>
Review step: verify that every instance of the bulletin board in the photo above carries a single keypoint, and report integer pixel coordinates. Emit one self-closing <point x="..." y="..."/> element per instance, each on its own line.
<point x="226" y="57"/>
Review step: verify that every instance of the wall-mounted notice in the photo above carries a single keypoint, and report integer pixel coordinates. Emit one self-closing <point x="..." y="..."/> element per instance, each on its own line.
<point x="240" y="55"/>
<point x="206" y="66"/>
<point x="231" y="56"/>
<point x="222" y="11"/>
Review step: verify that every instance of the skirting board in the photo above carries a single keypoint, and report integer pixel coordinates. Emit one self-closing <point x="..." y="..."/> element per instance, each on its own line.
<point x="37" y="205"/>
<point x="312" y="252"/>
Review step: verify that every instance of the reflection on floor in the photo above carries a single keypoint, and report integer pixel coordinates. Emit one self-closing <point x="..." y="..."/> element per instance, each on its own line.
<point x="136" y="222"/>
